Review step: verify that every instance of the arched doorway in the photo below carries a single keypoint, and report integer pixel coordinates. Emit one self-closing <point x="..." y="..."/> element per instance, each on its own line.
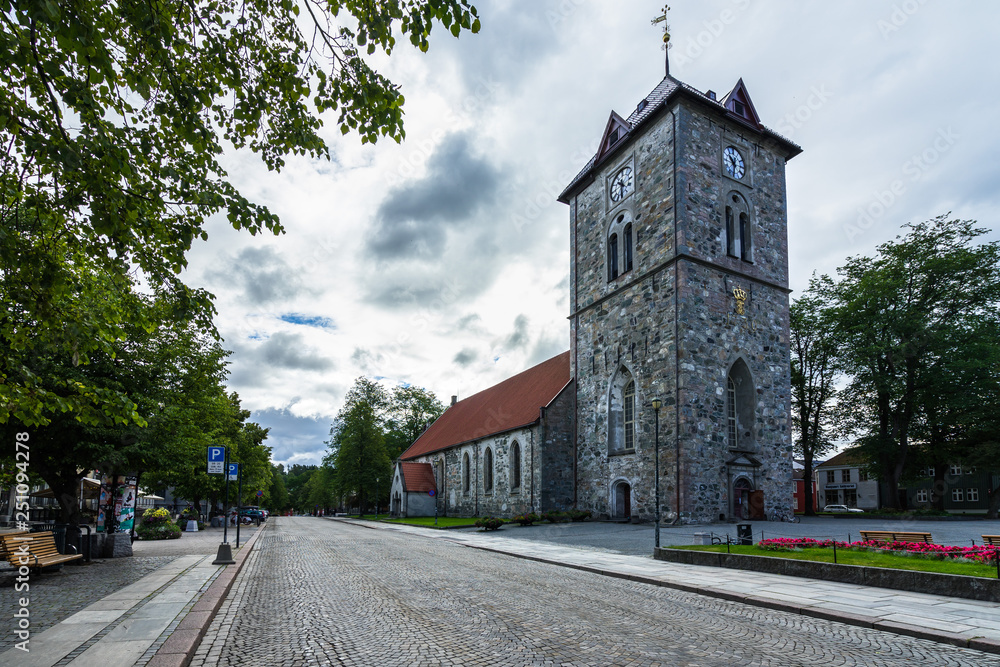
<point x="623" y="500"/>
<point x="741" y="498"/>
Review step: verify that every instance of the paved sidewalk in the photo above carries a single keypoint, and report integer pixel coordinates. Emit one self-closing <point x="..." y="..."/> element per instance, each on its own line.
<point x="157" y="619"/>
<point x="956" y="621"/>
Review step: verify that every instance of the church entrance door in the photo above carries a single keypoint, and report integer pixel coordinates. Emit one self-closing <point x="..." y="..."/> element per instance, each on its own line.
<point x="741" y="498"/>
<point x="623" y="501"/>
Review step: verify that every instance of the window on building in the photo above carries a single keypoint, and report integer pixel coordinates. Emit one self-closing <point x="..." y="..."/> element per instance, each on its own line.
<point x="627" y="236"/>
<point x="621" y="413"/>
<point x="956" y="470"/>
<point x="741" y="408"/>
<point x="921" y="496"/>
<point x="957" y="495"/>
<point x="862" y="475"/>
<point x="972" y="495"/>
<point x="845" y="475"/>
<point x="739" y="233"/>
<point x="929" y="472"/>
<point x="612" y="257"/>
<point x="731" y="242"/>
<point x="488" y="470"/>
<point x="831" y="476"/>
<point x="746" y="241"/>
<point x="465" y="472"/>
<point x="851" y="497"/>
<point x="515" y="465"/>
<point x="629" y="405"/>
<point x="832" y="498"/>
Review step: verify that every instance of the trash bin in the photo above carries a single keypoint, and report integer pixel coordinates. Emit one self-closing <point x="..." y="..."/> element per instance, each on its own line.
<point x="744" y="534"/>
<point x="59" y="536"/>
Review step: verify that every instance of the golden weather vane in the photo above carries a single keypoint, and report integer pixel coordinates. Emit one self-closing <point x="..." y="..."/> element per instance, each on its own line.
<point x="666" y="26"/>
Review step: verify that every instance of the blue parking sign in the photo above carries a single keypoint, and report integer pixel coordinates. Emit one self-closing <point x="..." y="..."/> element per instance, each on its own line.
<point x="216" y="460"/>
<point x="234" y="472"/>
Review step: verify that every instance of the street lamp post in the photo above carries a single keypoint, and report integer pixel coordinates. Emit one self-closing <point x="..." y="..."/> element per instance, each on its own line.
<point x="656" y="466"/>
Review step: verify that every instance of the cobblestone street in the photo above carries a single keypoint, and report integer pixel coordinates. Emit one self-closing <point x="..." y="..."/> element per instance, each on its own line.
<point x="323" y="592"/>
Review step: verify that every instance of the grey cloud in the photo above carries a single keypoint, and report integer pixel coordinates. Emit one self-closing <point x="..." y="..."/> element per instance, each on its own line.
<point x="518" y="339"/>
<point x="466" y="357"/>
<point x="414" y="219"/>
<point x="262" y="274"/>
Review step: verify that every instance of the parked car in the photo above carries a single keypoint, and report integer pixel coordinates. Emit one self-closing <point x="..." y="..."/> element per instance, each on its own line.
<point x="842" y="508"/>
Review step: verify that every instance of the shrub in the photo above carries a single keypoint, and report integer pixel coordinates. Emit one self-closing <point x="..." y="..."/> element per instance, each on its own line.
<point x="158" y="531"/>
<point x="489" y="523"/>
<point x="155" y="517"/>
<point x="580" y="515"/>
<point x="526" y="519"/>
<point x="556" y="517"/>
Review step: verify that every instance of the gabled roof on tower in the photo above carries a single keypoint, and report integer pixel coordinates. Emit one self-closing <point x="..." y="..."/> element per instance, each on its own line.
<point x="514" y="403"/>
<point x="658" y="99"/>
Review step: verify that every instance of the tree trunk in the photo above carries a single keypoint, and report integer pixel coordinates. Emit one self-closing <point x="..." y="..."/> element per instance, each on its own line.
<point x="807" y="476"/>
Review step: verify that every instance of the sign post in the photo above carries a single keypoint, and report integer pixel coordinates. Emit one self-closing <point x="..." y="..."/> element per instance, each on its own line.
<point x="239" y="497"/>
<point x="218" y="464"/>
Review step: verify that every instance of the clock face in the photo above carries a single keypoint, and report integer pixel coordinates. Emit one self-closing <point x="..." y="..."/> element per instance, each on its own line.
<point x="621" y="184"/>
<point x="733" y="161"/>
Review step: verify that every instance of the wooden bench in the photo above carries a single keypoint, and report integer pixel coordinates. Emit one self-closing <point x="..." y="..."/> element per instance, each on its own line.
<point x="34" y="550"/>
<point x="992" y="540"/>
<point x="895" y="536"/>
<point x="3" y="545"/>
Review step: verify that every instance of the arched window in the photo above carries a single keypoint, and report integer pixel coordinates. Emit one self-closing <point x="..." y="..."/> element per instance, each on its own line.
<point x="741" y="408"/>
<point x="621" y="413"/>
<point x="739" y="235"/>
<point x="613" y="257"/>
<point x="488" y="470"/>
<point x="628" y="405"/>
<point x="465" y="472"/>
<point x="515" y="465"/>
<point x="627" y="236"/>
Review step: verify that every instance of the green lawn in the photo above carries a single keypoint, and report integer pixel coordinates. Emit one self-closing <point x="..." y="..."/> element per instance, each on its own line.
<point x="427" y="521"/>
<point x="866" y="558"/>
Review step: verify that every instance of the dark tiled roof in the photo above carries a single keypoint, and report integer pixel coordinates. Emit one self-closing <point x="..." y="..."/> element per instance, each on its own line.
<point x="656" y="99"/>
<point x="418" y="477"/>
<point x="513" y="403"/>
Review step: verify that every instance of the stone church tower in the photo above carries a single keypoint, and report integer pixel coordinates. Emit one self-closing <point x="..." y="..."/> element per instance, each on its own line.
<point x="679" y="292"/>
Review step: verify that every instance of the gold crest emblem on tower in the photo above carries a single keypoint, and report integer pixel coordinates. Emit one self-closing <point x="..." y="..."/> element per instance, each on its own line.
<point x="741" y="299"/>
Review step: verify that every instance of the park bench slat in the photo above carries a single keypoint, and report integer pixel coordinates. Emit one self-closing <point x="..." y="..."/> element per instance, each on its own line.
<point x="41" y="550"/>
<point x="992" y="540"/>
<point x="896" y="536"/>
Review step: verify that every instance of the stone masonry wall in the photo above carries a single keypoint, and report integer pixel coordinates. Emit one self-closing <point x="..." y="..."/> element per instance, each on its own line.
<point x="554" y="462"/>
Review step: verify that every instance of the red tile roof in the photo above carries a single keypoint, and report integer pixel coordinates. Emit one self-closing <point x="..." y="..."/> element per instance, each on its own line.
<point x="513" y="403"/>
<point x="418" y="477"/>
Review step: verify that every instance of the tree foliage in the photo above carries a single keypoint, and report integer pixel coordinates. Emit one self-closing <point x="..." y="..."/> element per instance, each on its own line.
<point x="814" y="372"/>
<point x="918" y="328"/>
<point x="113" y="119"/>
<point x="357" y="451"/>
<point x="411" y="410"/>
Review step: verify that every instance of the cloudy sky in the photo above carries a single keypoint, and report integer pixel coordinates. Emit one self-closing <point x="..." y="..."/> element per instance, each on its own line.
<point x="443" y="261"/>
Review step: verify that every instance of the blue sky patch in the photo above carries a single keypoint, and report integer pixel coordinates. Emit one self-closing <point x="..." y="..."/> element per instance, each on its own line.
<point x="308" y="320"/>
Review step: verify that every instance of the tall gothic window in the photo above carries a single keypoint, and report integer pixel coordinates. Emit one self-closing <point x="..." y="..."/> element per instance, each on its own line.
<point x="741" y="408"/>
<point x="612" y="257"/>
<point x="739" y="235"/>
<point x="515" y="466"/>
<point x="621" y="413"/>
<point x="628" y="248"/>
<point x="628" y="402"/>
<point x="488" y="470"/>
<point x="465" y="472"/>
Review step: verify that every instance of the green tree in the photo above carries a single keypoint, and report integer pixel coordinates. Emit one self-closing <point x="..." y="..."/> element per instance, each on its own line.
<point x="411" y="409"/>
<point x="814" y="371"/>
<point x="357" y="441"/>
<point x="113" y="118"/>
<point x="905" y="319"/>
<point x="277" y="496"/>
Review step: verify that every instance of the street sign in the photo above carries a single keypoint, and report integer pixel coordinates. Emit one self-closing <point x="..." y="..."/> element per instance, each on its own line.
<point x="234" y="471"/>
<point x="431" y="493"/>
<point x="216" y="460"/>
<point x="260" y="493"/>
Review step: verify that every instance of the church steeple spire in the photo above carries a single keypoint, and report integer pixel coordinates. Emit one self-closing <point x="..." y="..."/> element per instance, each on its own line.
<point x="666" y="37"/>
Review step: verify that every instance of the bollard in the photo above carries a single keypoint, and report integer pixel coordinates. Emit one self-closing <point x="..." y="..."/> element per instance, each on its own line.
<point x="835" y="551"/>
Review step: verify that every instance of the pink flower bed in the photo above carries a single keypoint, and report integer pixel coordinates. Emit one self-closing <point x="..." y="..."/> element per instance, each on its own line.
<point x="978" y="554"/>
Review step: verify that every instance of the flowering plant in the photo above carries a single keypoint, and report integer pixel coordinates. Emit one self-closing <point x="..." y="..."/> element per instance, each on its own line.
<point x="938" y="551"/>
<point x="154" y="516"/>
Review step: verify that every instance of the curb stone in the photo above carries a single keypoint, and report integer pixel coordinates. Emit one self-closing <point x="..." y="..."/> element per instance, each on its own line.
<point x="180" y="646"/>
